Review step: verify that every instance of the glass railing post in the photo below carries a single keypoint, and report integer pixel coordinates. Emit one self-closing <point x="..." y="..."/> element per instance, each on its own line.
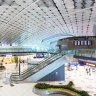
<point x="19" y="69"/>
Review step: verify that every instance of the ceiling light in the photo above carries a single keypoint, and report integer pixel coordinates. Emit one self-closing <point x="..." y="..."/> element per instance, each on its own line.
<point x="9" y="2"/>
<point x="1" y="2"/>
<point x="81" y="4"/>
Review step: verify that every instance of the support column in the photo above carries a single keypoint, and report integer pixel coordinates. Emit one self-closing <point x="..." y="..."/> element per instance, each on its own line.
<point x="19" y="66"/>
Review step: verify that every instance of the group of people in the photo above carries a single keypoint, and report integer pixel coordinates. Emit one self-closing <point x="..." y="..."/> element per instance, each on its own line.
<point x="87" y="68"/>
<point x="88" y="71"/>
<point x="70" y="67"/>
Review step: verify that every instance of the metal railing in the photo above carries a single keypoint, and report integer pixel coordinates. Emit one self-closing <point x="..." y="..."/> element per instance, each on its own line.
<point x="30" y="71"/>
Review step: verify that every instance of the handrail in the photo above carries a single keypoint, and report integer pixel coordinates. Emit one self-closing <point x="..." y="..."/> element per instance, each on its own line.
<point x="34" y="66"/>
<point x="24" y="76"/>
<point x="32" y="69"/>
<point x="35" y="69"/>
<point x="14" y="74"/>
<point x="48" y="58"/>
<point x="38" y="65"/>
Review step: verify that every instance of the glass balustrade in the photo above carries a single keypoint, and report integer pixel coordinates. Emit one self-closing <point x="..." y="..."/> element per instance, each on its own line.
<point x="86" y="53"/>
<point x="39" y="66"/>
<point x="27" y="50"/>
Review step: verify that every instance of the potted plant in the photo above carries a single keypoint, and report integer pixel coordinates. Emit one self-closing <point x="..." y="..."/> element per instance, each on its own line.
<point x="16" y="60"/>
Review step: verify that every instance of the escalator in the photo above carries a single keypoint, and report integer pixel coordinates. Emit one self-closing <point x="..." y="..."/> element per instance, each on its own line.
<point x="43" y="68"/>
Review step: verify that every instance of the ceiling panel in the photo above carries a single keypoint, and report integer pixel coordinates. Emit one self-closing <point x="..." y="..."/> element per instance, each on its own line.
<point x="27" y="22"/>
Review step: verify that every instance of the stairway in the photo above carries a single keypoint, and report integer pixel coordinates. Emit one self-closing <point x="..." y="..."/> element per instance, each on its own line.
<point x="43" y="68"/>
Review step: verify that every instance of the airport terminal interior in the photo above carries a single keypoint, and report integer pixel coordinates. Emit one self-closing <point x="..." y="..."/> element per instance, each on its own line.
<point x="47" y="47"/>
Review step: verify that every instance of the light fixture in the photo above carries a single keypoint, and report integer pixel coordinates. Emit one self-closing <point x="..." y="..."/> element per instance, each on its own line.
<point x="1" y="2"/>
<point x="9" y="2"/>
<point x="8" y="55"/>
<point x="81" y="4"/>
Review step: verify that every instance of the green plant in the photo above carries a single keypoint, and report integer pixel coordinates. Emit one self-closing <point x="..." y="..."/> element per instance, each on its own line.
<point x="42" y="86"/>
<point x="83" y="93"/>
<point x="16" y="59"/>
<point x="68" y="86"/>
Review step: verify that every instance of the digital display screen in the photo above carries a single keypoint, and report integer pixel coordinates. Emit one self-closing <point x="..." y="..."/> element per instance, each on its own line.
<point x="39" y="55"/>
<point x="78" y="42"/>
<point x="82" y="43"/>
<point x="75" y="43"/>
<point x="8" y="55"/>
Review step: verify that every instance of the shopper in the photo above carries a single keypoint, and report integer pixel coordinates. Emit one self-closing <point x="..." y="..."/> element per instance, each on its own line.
<point x="87" y="71"/>
<point x="76" y="66"/>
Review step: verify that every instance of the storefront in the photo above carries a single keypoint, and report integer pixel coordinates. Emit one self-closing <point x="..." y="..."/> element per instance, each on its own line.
<point x="90" y="64"/>
<point x="13" y="59"/>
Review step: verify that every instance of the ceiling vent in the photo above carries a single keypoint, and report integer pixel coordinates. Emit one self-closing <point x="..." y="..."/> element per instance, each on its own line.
<point x="45" y="3"/>
<point x="9" y="2"/>
<point x="81" y="4"/>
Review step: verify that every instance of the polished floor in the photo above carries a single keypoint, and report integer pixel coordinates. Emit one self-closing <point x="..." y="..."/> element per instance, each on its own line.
<point x="55" y="95"/>
<point x="81" y="79"/>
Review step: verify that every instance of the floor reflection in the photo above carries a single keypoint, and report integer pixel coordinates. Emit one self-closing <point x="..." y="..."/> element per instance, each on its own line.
<point x="56" y="94"/>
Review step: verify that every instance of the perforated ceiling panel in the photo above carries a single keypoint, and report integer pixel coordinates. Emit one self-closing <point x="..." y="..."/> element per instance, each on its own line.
<point x="29" y="22"/>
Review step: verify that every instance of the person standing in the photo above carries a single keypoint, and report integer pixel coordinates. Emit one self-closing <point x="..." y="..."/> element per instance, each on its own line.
<point x="87" y="71"/>
<point x="76" y="66"/>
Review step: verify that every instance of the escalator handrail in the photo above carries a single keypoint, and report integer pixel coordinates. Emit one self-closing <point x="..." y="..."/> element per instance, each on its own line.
<point x="28" y="72"/>
<point x="22" y="77"/>
<point x="34" y="66"/>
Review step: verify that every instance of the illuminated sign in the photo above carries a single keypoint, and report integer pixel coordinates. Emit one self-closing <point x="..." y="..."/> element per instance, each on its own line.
<point x="89" y="64"/>
<point x="82" y="43"/>
<point x="8" y="55"/>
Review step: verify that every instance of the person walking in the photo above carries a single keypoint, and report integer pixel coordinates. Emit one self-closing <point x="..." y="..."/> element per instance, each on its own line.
<point x="87" y="71"/>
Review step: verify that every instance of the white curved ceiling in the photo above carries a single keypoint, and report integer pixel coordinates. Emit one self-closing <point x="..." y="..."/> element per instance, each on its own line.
<point x="28" y="22"/>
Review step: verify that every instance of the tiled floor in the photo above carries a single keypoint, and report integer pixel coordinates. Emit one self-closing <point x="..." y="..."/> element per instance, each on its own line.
<point x="82" y="80"/>
<point x="79" y="77"/>
<point x="17" y="90"/>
